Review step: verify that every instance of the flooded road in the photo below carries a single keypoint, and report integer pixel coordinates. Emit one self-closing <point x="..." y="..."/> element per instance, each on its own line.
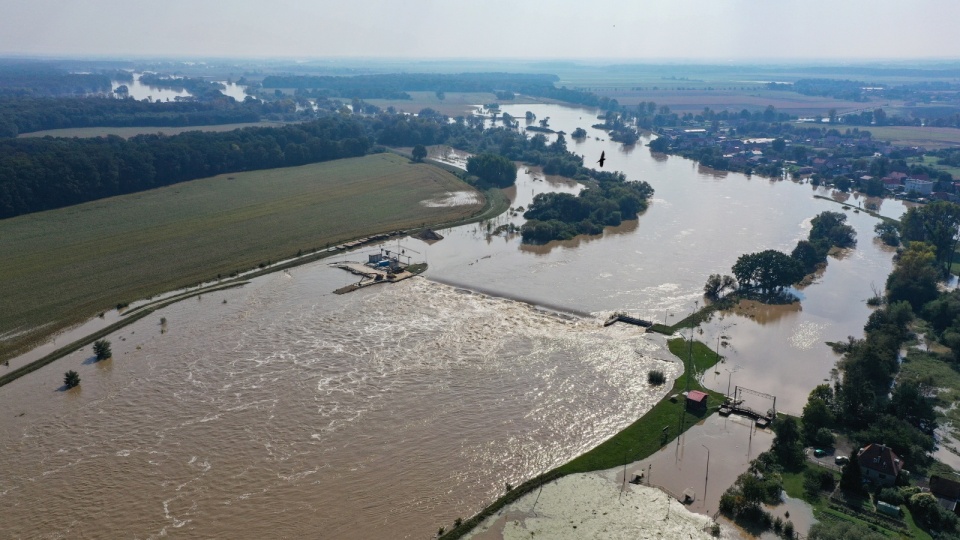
<point x="280" y="409"/>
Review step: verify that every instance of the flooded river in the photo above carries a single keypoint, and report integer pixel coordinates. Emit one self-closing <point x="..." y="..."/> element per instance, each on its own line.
<point x="280" y="409"/>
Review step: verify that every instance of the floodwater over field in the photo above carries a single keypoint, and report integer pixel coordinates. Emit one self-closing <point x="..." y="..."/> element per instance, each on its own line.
<point x="139" y="91"/>
<point x="290" y="411"/>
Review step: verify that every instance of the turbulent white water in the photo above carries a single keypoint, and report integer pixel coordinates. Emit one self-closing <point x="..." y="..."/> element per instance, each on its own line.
<point x="346" y="410"/>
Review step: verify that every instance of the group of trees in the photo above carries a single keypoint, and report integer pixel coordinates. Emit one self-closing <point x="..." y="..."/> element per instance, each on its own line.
<point x="492" y="169"/>
<point x="862" y="402"/>
<point x="101" y="350"/>
<point x="761" y="484"/>
<point x="769" y="271"/>
<point x="932" y="233"/>
<point x="560" y="216"/>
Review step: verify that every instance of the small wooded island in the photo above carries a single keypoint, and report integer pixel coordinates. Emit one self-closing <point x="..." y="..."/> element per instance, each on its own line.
<point x="561" y="216"/>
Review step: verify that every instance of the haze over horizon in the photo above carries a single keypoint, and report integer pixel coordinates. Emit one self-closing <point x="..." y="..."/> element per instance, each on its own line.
<point x="675" y="30"/>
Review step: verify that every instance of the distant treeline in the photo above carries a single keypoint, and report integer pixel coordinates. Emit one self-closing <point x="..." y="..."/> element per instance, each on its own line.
<point x="28" y="114"/>
<point x="396" y="86"/>
<point x="44" y="173"/>
<point x="199" y="88"/>
<point x="839" y="89"/>
<point x="25" y="79"/>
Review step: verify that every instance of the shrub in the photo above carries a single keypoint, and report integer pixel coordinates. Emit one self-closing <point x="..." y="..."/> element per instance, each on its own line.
<point x="656" y="377"/>
<point x="891" y="495"/>
<point x="788" y="529"/>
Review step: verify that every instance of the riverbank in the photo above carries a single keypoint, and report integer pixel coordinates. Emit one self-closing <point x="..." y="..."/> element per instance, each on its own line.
<point x="663" y="423"/>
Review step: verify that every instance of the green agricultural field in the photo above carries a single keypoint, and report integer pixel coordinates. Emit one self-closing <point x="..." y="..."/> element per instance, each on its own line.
<point x="127" y="132"/>
<point x="931" y="161"/>
<point x="62" y="266"/>
<point x="928" y="137"/>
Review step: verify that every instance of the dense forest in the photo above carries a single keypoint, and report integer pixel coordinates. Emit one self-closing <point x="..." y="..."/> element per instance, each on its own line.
<point x="43" y="173"/>
<point x="28" y="114"/>
<point x="36" y="79"/>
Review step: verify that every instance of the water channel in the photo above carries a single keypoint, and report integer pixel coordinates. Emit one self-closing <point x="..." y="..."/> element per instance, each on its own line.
<point x="280" y="409"/>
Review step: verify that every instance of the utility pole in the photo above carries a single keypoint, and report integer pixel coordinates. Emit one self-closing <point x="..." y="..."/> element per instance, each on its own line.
<point x="707" y="474"/>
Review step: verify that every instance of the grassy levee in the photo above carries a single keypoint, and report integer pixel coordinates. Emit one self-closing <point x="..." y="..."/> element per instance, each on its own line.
<point x="864" y="210"/>
<point x="63" y="266"/>
<point x="694" y="319"/>
<point x="635" y="442"/>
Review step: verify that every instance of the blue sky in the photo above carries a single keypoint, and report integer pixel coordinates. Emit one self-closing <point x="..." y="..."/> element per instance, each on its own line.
<point x="715" y="30"/>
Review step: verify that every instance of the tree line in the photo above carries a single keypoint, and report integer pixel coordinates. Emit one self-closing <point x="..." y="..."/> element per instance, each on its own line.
<point x="43" y="79"/>
<point x="28" y="114"/>
<point x="44" y="173"/>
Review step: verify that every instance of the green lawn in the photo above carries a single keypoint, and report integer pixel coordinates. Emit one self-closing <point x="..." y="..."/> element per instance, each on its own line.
<point x="62" y="266"/>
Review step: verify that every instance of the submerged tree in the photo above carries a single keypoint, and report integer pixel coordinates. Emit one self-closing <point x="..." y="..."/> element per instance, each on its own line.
<point x="71" y="379"/>
<point x="101" y="348"/>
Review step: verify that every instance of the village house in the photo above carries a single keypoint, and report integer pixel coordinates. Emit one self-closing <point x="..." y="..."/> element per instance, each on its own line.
<point x="879" y="464"/>
<point x="947" y="492"/>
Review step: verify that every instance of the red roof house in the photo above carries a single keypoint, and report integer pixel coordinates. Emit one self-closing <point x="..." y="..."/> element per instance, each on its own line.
<point x="878" y="463"/>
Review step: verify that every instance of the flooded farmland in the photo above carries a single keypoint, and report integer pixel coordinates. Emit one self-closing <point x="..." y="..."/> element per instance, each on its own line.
<point x="280" y="409"/>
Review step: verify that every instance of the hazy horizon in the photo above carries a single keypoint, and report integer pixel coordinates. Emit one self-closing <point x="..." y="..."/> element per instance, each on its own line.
<point x="678" y="31"/>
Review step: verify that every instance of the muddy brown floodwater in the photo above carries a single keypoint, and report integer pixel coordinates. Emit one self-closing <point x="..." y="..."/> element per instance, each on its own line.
<point x="388" y="412"/>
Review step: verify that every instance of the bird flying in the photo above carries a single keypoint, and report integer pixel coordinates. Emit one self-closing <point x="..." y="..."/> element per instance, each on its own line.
<point x="602" y="159"/>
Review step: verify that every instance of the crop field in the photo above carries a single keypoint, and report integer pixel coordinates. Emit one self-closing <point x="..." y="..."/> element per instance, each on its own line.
<point x="932" y="161"/>
<point x="734" y="99"/>
<point x="63" y="266"/>
<point x="928" y="137"/>
<point x="127" y="132"/>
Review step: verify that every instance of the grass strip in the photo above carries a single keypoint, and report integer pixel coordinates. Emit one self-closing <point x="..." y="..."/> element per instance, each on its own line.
<point x="635" y="442"/>
<point x="864" y="210"/>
